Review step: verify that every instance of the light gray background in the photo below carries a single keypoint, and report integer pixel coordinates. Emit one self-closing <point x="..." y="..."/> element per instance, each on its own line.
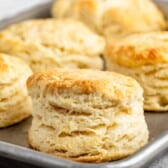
<point x="10" y="8"/>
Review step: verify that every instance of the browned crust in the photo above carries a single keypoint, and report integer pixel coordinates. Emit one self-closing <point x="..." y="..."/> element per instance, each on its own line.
<point x="5" y="63"/>
<point x="99" y="82"/>
<point x="3" y="66"/>
<point x="138" y="49"/>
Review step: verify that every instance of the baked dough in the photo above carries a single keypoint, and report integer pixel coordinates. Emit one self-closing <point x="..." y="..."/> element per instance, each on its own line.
<point x="15" y="104"/>
<point x="48" y="43"/>
<point x="86" y="115"/>
<point x="113" y="17"/>
<point x="145" y="58"/>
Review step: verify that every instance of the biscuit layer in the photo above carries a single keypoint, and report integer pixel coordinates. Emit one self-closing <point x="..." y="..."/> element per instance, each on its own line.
<point x="145" y="58"/>
<point x="48" y="43"/>
<point x="88" y="116"/>
<point x="15" y="103"/>
<point x="113" y="17"/>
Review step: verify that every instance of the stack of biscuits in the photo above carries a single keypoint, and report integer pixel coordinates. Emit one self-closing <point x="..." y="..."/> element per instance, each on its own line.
<point x="86" y="76"/>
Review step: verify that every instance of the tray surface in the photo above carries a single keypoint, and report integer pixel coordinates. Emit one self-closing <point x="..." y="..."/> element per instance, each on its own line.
<point x="17" y="134"/>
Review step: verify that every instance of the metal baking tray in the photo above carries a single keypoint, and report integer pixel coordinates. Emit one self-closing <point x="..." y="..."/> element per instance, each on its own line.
<point x="13" y="140"/>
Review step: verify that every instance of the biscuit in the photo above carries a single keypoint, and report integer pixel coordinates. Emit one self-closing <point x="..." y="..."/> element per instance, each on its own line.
<point x="15" y="104"/>
<point x="86" y="115"/>
<point x="49" y="43"/>
<point x="113" y="17"/>
<point x="144" y="57"/>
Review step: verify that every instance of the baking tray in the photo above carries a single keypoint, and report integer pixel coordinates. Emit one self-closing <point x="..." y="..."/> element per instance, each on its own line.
<point x="13" y="140"/>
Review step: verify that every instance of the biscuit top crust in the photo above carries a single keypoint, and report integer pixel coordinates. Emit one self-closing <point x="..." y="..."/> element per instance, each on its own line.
<point x="134" y="15"/>
<point x="12" y="68"/>
<point x="124" y="15"/>
<point x="54" y="34"/>
<point x="3" y="66"/>
<point x="107" y="84"/>
<point x="139" y="49"/>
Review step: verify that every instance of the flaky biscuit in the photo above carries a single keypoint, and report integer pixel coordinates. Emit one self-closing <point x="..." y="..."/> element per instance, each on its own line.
<point x="15" y="104"/>
<point x="48" y="43"/>
<point x="86" y="115"/>
<point x="144" y="57"/>
<point x="113" y="17"/>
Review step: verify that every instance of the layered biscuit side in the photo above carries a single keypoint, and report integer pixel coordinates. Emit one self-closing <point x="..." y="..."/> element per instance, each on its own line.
<point x="80" y="120"/>
<point x="15" y="103"/>
<point x="143" y="57"/>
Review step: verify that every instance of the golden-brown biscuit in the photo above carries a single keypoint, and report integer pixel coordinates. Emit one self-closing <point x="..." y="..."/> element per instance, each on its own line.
<point x="15" y="104"/>
<point x="86" y="115"/>
<point x="48" y="43"/>
<point x="144" y="57"/>
<point x="113" y="17"/>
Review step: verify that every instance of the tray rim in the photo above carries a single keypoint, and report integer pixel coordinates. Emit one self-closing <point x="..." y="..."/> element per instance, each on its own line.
<point x="12" y="151"/>
<point x="139" y="159"/>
